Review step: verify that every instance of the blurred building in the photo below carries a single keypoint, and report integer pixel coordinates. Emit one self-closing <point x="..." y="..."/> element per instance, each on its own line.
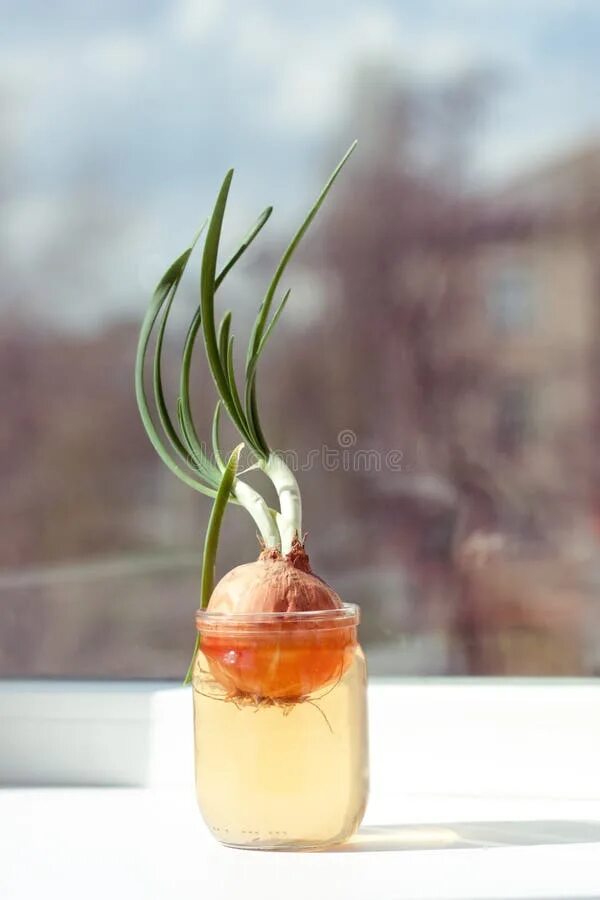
<point x="538" y="280"/>
<point x="504" y="550"/>
<point x="536" y="316"/>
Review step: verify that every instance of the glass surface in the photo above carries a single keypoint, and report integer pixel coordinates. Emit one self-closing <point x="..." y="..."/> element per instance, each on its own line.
<point x="287" y="769"/>
<point x="433" y="380"/>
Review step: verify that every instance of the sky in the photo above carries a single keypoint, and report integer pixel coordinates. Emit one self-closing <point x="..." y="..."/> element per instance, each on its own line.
<point x="118" y="118"/>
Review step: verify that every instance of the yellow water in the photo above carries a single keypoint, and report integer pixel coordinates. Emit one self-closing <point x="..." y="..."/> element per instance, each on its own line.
<point x="282" y="776"/>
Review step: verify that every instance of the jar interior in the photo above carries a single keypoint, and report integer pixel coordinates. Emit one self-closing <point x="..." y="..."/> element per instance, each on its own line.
<point x="277" y="656"/>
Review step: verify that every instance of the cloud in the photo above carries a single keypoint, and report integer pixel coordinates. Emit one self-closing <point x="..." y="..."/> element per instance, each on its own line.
<point x="194" y="21"/>
<point x="120" y="56"/>
<point x="155" y="100"/>
<point x="306" y="70"/>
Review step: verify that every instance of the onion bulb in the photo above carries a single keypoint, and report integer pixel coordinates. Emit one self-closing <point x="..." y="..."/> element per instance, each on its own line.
<point x="285" y="659"/>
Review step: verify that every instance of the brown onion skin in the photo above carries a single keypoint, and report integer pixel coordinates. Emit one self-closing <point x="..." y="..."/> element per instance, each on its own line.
<point x="273" y="583"/>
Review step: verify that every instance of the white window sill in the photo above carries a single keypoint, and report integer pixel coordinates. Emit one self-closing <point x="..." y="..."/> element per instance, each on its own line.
<point x="522" y="737"/>
<point x="479" y="789"/>
<point x="136" y="844"/>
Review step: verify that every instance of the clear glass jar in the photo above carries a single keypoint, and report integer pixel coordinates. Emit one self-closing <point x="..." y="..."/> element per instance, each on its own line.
<point x="280" y="728"/>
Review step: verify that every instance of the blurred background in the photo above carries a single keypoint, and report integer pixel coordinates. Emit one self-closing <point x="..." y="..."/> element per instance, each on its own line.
<point x="442" y="338"/>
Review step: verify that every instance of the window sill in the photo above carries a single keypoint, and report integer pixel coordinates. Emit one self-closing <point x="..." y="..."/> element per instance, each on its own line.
<point x="506" y="736"/>
<point x="503" y="771"/>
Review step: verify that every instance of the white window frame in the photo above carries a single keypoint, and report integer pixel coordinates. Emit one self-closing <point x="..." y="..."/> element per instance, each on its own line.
<point x="500" y="737"/>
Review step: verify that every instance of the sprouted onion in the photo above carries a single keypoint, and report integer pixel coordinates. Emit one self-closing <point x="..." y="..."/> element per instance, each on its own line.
<point x="271" y="664"/>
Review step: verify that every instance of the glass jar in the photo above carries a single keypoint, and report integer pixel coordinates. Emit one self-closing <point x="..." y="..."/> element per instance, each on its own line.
<point x="280" y="727"/>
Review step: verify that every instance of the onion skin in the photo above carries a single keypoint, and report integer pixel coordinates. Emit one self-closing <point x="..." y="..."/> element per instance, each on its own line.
<point x="273" y="584"/>
<point x="284" y="660"/>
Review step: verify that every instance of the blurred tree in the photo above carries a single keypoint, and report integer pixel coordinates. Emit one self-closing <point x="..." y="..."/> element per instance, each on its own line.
<point x="400" y="351"/>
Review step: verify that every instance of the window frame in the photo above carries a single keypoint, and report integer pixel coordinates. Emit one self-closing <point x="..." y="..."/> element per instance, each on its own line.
<point x="496" y="736"/>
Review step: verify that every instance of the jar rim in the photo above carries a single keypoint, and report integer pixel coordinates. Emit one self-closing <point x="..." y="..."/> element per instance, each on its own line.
<point x="347" y="614"/>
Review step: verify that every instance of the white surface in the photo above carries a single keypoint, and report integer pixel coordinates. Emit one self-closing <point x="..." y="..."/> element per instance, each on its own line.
<point x="151" y="845"/>
<point x="479" y="737"/>
<point x="479" y="790"/>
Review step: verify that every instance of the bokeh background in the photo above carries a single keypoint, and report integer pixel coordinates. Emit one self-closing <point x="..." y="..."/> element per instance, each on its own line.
<point x="444" y="309"/>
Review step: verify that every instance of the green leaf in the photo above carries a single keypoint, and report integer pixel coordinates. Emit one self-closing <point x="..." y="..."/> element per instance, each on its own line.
<point x="211" y="540"/>
<point x="214" y="526"/>
<point x="273" y="322"/>
<point x="207" y="290"/>
<point x="265" y="308"/>
<point x="256" y="228"/>
<point x="169" y="279"/>
<point x="181" y="447"/>
<point x="218" y="369"/>
<point x="252" y="415"/>
<point x="223" y="340"/>
<point x="224" y="329"/>
<point x="261" y="331"/>
<point x="215" y="436"/>
<point x="202" y="463"/>
<point x="172" y="276"/>
<point x="159" y="398"/>
<point x="187" y="422"/>
<point x="270" y="328"/>
<point x="231" y="378"/>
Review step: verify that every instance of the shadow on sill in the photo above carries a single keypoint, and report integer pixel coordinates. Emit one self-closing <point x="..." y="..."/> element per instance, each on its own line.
<point x="469" y="836"/>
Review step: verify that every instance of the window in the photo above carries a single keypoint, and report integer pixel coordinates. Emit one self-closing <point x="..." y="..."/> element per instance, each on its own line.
<point x="118" y="122"/>
<point x="510" y="301"/>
